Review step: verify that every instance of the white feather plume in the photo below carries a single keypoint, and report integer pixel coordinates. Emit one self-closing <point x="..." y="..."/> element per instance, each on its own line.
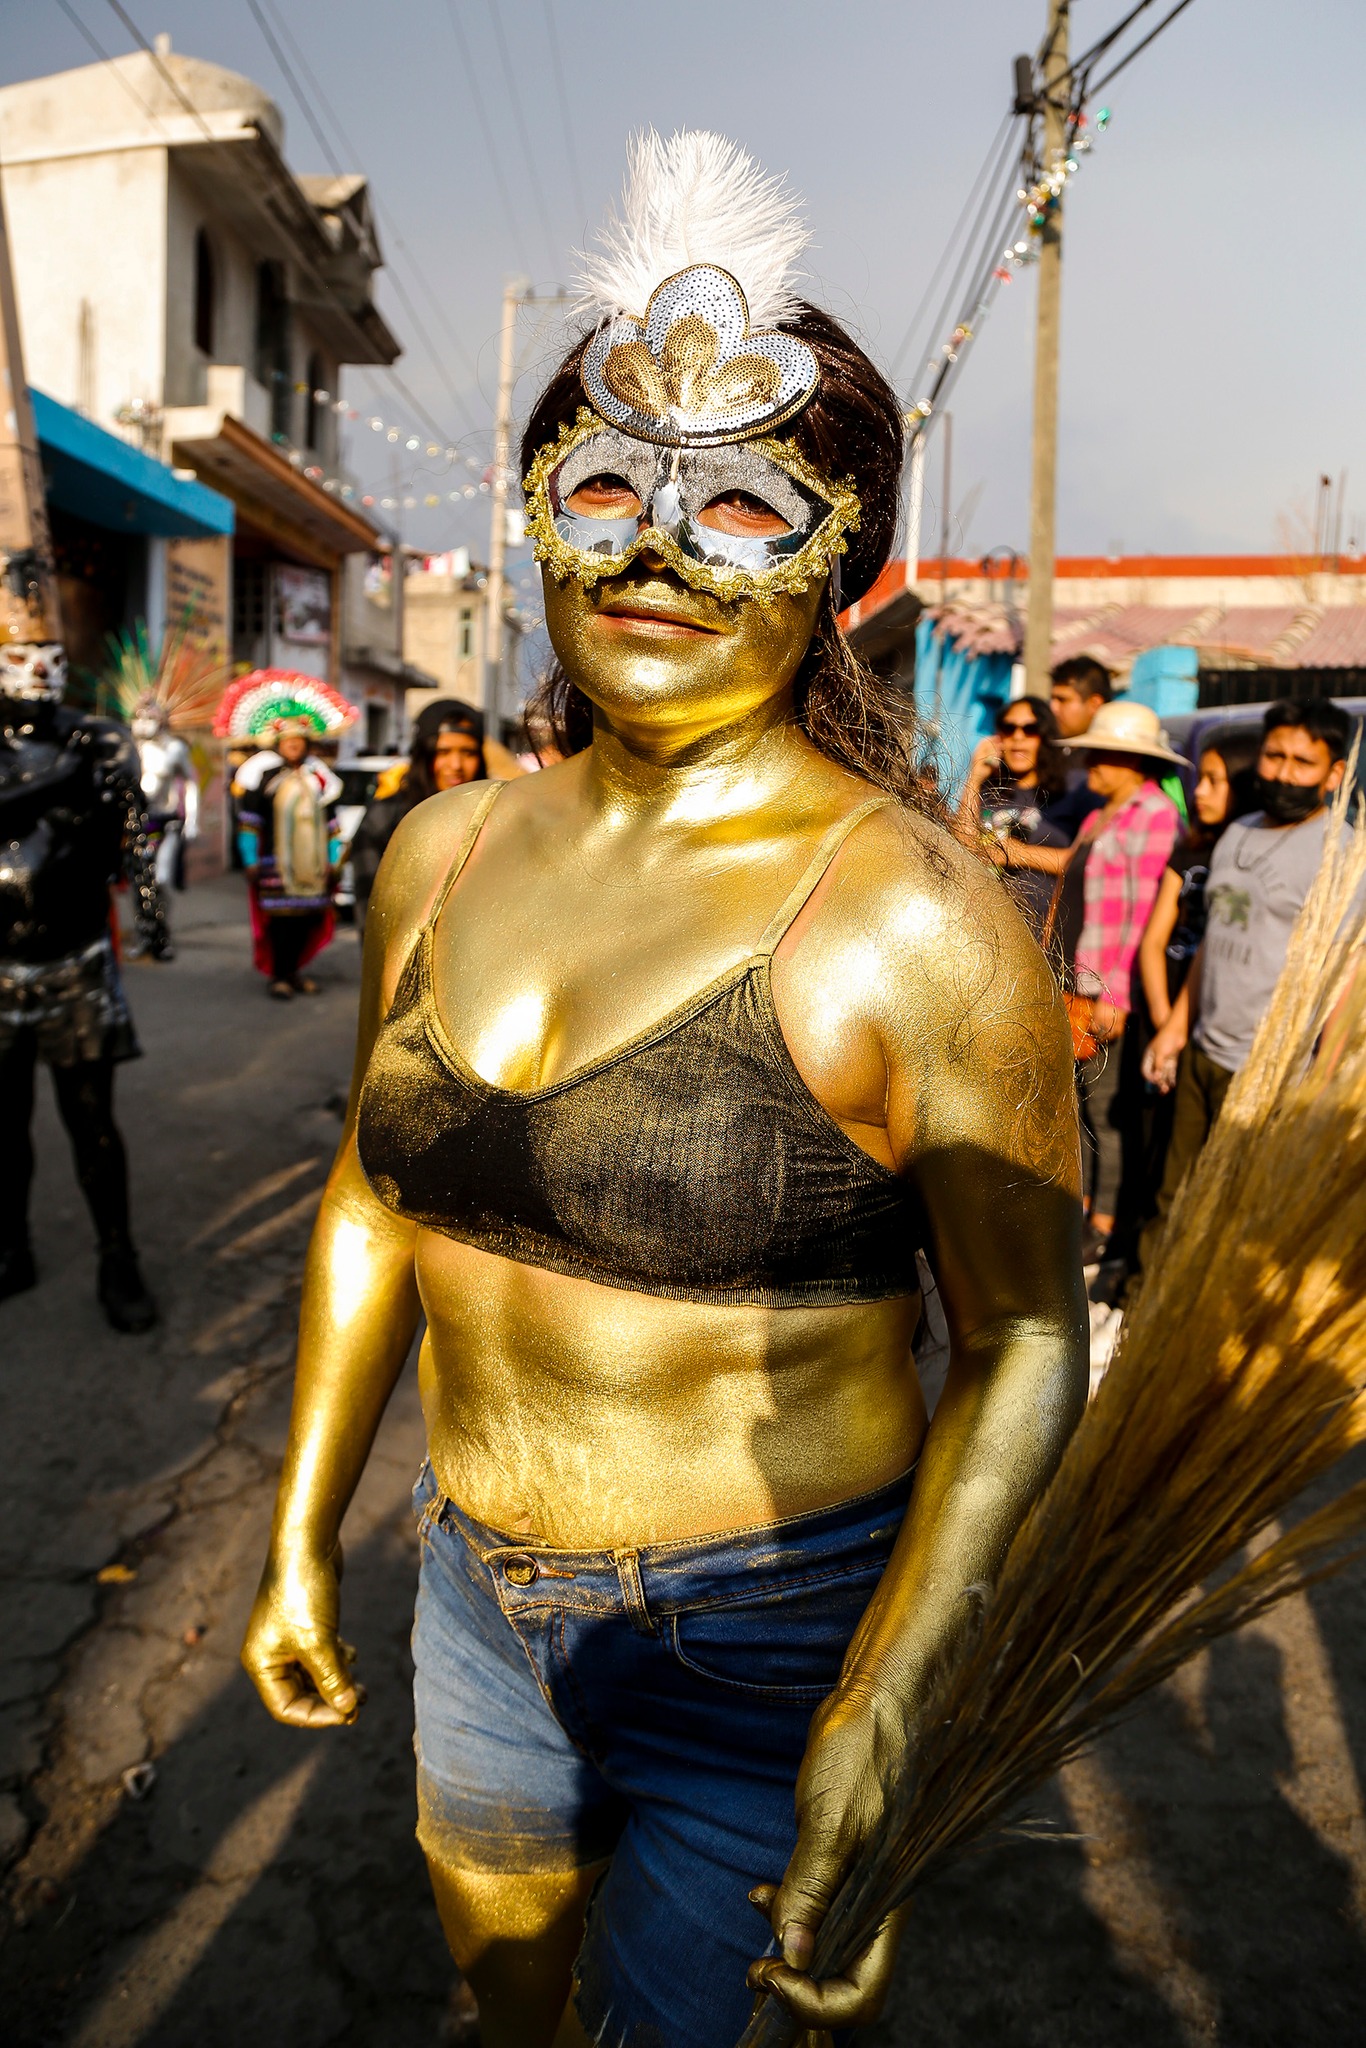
<point x="696" y="198"/>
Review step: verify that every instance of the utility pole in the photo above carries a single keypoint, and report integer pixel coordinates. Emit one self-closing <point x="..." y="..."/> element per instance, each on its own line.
<point x="29" y="610"/>
<point x="514" y="294"/>
<point x="945" y="508"/>
<point x="1044" y="488"/>
<point x="915" y="509"/>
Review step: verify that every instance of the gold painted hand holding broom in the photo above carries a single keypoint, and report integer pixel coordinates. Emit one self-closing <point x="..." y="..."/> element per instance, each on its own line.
<point x="1240" y="1378"/>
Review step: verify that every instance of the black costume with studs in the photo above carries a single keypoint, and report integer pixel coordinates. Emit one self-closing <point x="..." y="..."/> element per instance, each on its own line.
<point x="71" y="823"/>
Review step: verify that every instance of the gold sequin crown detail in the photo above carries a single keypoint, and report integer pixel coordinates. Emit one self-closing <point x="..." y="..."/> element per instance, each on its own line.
<point x="690" y="373"/>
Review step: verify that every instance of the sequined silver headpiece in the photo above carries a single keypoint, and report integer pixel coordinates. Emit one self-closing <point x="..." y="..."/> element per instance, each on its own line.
<point x="692" y="372"/>
<point x="691" y="273"/>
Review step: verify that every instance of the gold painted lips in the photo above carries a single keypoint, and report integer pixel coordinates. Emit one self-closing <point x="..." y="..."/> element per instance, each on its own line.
<point x="640" y="609"/>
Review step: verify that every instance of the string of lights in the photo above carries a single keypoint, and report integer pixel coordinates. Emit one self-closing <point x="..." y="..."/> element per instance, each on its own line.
<point x="1032" y="206"/>
<point x="395" y="435"/>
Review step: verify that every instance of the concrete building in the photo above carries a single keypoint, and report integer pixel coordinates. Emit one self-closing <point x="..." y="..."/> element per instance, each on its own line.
<point x="179" y="285"/>
<point x="443" y="622"/>
<point x="444" y="607"/>
<point x="1243" y="615"/>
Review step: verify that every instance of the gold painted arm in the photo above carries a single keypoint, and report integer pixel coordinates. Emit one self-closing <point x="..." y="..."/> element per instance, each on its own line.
<point x="360" y="1310"/>
<point x="982" y="1116"/>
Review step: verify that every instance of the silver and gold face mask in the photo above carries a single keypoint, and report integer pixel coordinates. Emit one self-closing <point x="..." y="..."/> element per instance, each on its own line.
<point x="734" y="519"/>
<point x="677" y="454"/>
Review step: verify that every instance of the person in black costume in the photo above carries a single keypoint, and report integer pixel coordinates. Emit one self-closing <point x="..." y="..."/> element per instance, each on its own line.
<point x="71" y="822"/>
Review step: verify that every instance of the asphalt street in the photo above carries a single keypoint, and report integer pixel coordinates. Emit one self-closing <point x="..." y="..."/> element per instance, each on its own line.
<point x="182" y="1873"/>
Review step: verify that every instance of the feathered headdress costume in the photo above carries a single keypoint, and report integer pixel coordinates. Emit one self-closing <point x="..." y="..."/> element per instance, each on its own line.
<point x="259" y="705"/>
<point x="179" y="685"/>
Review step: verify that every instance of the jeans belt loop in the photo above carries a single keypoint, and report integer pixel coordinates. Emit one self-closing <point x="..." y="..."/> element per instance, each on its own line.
<point x="627" y="1563"/>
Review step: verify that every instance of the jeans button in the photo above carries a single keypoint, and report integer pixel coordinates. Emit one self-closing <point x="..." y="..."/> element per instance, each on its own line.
<point x="520" y="1571"/>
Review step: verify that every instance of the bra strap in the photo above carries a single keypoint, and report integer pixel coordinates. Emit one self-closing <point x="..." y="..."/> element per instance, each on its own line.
<point x="819" y="862"/>
<point x="466" y="847"/>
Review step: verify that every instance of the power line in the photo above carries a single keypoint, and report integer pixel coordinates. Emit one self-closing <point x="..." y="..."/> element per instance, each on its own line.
<point x="979" y="257"/>
<point x="1139" y="48"/>
<point x="481" y="111"/>
<point x="557" y="69"/>
<point x="528" y="154"/>
<point x="949" y="246"/>
<point x="457" y="398"/>
<point x="1080" y="66"/>
<point x="105" y="58"/>
<point x="304" y="108"/>
<point x="1004" y="149"/>
<point x="390" y="225"/>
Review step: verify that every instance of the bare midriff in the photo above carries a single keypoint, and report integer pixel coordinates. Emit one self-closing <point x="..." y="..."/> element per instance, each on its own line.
<point x="591" y="1417"/>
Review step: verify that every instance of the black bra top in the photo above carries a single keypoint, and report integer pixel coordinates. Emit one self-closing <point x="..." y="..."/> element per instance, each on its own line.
<point x="692" y="1162"/>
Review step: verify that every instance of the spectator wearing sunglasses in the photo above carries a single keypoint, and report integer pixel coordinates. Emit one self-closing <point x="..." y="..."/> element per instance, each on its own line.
<point x="1017" y="777"/>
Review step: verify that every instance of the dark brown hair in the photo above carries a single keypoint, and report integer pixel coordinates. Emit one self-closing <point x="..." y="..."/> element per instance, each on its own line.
<point x="1051" y="765"/>
<point x="1087" y="676"/>
<point x="852" y="427"/>
<point x="447" y="714"/>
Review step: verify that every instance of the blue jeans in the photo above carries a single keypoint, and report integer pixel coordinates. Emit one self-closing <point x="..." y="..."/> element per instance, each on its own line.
<point x="650" y="1706"/>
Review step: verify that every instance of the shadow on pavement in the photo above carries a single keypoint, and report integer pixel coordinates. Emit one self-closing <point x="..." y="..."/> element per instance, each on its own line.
<point x="268" y="1888"/>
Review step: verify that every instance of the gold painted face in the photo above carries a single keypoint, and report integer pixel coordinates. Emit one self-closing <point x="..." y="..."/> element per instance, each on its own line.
<point x="643" y="644"/>
<point x="738" y="519"/>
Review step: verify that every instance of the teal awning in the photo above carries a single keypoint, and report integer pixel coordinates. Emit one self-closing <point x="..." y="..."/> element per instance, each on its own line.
<point x="100" y="478"/>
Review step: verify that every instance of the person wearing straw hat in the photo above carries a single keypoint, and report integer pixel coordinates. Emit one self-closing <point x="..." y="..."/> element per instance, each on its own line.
<point x="1121" y="853"/>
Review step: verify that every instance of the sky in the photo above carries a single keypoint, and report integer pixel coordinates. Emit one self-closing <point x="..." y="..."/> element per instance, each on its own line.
<point x="1214" y="295"/>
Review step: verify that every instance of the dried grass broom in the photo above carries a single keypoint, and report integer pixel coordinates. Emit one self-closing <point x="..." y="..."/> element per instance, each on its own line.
<point x="1240" y="1378"/>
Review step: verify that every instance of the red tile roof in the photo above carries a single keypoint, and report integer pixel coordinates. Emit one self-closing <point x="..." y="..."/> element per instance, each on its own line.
<point x="984" y="622"/>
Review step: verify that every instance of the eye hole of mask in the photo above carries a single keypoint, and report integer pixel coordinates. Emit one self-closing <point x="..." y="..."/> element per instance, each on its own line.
<point x="604" y="496"/>
<point x="744" y="515"/>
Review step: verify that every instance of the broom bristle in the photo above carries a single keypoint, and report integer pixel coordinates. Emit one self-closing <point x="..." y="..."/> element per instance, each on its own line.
<point x="1240" y="1378"/>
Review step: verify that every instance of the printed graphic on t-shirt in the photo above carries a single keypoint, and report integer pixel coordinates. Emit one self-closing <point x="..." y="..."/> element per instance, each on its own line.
<point x="1230" y="906"/>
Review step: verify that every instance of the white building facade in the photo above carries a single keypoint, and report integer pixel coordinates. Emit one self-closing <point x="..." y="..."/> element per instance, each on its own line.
<point x="180" y="285"/>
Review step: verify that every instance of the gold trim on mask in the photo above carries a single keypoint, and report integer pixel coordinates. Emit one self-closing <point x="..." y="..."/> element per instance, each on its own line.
<point x="789" y="577"/>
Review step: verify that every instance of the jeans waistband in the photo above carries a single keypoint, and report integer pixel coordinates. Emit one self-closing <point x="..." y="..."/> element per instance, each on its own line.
<point x="693" y="1571"/>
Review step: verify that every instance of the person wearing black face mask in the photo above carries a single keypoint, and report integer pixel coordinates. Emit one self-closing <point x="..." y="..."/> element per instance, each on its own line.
<point x="1259" y="875"/>
<point x="1289" y="803"/>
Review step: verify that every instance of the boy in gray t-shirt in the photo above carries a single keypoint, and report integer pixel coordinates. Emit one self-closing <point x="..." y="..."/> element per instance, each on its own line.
<point x="1259" y="877"/>
<point x="1260" y="873"/>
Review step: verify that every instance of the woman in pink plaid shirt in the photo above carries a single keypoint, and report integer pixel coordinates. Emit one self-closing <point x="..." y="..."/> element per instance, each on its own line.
<point x="1125" y="847"/>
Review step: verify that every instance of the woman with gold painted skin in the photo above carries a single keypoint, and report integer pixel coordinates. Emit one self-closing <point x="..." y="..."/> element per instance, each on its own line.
<point x="670" y="1058"/>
